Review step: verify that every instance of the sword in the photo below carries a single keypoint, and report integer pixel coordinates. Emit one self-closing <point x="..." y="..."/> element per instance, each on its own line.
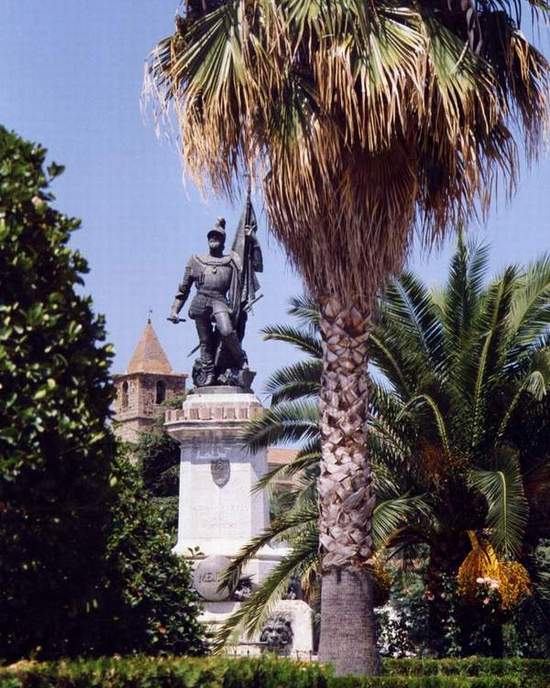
<point x="193" y="350"/>
<point x="246" y="309"/>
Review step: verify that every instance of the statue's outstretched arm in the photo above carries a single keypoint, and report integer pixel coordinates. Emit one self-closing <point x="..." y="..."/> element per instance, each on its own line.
<point x="183" y="291"/>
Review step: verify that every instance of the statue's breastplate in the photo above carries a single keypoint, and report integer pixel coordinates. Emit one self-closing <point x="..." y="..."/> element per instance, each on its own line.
<point x="215" y="277"/>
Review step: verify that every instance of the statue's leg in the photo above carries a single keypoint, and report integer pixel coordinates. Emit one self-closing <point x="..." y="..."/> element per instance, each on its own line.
<point x="206" y="340"/>
<point x="230" y="338"/>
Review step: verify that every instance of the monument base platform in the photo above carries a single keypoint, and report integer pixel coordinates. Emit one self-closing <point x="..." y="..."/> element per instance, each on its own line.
<point x="256" y="569"/>
<point x="220" y="513"/>
<point x="297" y="613"/>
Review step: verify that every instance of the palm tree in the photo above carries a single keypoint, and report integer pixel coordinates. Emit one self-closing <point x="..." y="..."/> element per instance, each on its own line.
<point x="469" y="371"/>
<point x="460" y="428"/>
<point x="359" y="121"/>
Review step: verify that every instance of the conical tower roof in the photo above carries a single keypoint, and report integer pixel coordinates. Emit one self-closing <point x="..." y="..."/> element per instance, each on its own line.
<point x="149" y="356"/>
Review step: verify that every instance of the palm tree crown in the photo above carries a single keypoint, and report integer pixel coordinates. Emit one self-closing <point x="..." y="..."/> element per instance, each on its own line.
<point x="360" y="118"/>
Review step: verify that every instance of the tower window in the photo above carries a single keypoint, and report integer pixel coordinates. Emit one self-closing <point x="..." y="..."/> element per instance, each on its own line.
<point x="161" y="392"/>
<point x="124" y="400"/>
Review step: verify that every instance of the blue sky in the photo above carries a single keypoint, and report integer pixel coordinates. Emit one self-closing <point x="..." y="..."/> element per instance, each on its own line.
<point x="70" y="78"/>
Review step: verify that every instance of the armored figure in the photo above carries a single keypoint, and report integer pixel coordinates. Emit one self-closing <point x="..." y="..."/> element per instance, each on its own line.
<point x="218" y="307"/>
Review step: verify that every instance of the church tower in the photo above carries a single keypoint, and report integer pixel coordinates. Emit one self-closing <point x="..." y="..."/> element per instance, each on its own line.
<point x="146" y="384"/>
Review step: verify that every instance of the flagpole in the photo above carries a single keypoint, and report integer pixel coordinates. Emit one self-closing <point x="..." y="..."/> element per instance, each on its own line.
<point x="248" y="177"/>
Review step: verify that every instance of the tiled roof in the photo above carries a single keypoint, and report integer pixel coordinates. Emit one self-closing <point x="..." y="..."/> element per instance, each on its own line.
<point x="280" y="455"/>
<point x="149" y="356"/>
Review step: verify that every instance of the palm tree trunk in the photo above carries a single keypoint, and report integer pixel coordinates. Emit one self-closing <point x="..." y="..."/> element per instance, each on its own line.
<point x="442" y="633"/>
<point x="348" y="631"/>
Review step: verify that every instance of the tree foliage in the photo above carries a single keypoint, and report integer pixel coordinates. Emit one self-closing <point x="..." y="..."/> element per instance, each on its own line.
<point x="149" y="605"/>
<point x="359" y="120"/>
<point x="158" y="456"/>
<point x="85" y="567"/>
<point x="459" y="421"/>
<point x="55" y="447"/>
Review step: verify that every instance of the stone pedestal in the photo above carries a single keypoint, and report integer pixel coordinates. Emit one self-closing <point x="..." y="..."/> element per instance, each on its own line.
<point x="297" y="612"/>
<point x="218" y="512"/>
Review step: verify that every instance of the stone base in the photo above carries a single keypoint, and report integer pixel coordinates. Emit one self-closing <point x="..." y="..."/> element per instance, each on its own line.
<point x="219" y="511"/>
<point x="212" y="411"/>
<point x="298" y="612"/>
<point x="256" y="569"/>
<point x="220" y="389"/>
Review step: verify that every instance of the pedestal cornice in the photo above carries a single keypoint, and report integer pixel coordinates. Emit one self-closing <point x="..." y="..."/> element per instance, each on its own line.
<point x="219" y="415"/>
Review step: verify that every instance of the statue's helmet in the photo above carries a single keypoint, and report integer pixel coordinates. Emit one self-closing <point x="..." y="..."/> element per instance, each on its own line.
<point x="218" y="228"/>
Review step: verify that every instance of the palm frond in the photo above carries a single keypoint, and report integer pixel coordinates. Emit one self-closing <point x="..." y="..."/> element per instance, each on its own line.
<point x="439" y="416"/>
<point x="536" y="383"/>
<point x="299" y="380"/>
<point x="538" y="380"/>
<point x="387" y="355"/>
<point x="292" y="421"/>
<point x="529" y="315"/>
<point x="307" y="342"/>
<point x="492" y="328"/>
<point x="410" y="303"/>
<point x="306" y="458"/>
<point x="467" y="270"/>
<point x="281" y="528"/>
<point x="502" y="487"/>
<point x="391" y="435"/>
<point x="391" y="515"/>
<point x="310" y="97"/>
<point x="255" y="610"/>
<point x="520" y="70"/>
<point x="306" y="310"/>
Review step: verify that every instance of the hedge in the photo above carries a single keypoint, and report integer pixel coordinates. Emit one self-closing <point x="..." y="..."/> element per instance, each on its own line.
<point x="469" y="666"/>
<point x="270" y="672"/>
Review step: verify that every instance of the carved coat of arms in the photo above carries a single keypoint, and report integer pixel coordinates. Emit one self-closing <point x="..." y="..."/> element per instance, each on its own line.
<point x="221" y="470"/>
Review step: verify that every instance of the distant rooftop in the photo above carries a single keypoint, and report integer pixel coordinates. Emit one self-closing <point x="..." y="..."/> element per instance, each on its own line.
<point x="149" y="356"/>
<point x="280" y="455"/>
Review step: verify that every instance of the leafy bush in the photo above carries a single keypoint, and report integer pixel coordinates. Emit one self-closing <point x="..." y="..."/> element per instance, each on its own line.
<point x="403" y="620"/>
<point x="85" y="568"/>
<point x="55" y="446"/>
<point x="150" y="605"/>
<point x="146" y="672"/>
<point x="270" y="672"/>
<point x="469" y="666"/>
<point x="528" y="633"/>
<point x="158" y="456"/>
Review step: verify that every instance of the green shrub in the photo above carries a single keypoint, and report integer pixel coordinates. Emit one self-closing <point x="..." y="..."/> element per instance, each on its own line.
<point x="468" y="666"/>
<point x="55" y="445"/>
<point x="268" y="672"/>
<point x="85" y="567"/>
<point x="149" y="605"/>
<point x="429" y="682"/>
<point x="145" y="672"/>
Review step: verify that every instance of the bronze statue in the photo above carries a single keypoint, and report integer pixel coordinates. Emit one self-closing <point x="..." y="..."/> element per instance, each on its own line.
<point x="226" y="288"/>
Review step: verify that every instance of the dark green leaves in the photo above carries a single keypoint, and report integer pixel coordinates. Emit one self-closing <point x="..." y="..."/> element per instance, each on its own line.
<point x="502" y="487"/>
<point x="55" y="444"/>
<point x="54" y="170"/>
<point x="84" y="566"/>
